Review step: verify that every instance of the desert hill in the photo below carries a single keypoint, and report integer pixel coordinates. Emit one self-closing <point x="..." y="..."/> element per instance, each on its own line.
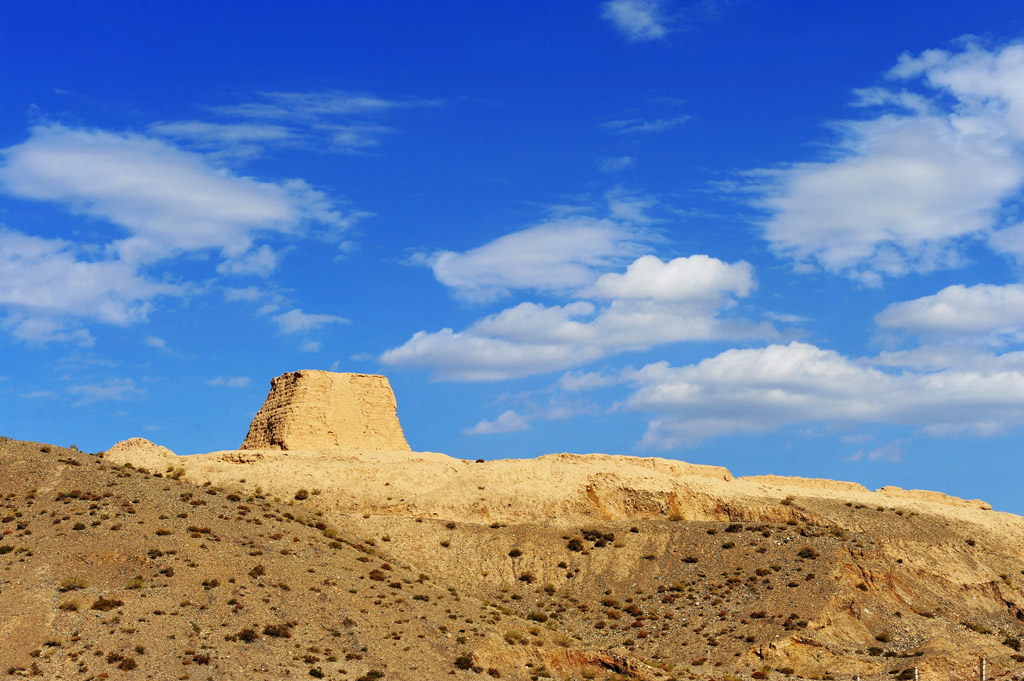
<point x="566" y="566"/>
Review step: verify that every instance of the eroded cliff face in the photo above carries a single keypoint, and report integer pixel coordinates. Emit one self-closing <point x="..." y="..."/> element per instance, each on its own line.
<point x="318" y="410"/>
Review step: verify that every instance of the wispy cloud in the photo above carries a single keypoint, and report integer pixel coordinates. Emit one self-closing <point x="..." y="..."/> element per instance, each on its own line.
<point x="167" y="200"/>
<point x="324" y="120"/>
<point x="559" y="254"/>
<point x="891" y="452"/>
<point x="230" y="381"/>
<point x="639" y="125"/>
<point x="160" y="202"/>
<point x="638" y="20"/>
<point x="615" y="164"/>
<point x="110" y="389"/>
<point x="319" y="105"/>
<point x="508" y="422"/>
<point x="295" y="321"/>
<point x="217" y="134"/>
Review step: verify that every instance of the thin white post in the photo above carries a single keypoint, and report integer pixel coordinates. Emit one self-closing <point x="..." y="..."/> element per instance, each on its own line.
<point x="916" y="677"/>
<point x="981" y="670"/>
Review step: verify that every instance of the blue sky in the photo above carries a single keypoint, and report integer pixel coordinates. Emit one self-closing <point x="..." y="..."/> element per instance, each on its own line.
<point x="779" y="237"/>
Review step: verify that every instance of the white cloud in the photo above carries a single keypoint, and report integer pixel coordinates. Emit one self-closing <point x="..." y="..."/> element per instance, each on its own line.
<point x="111" y="389"/>
<point x="39" y="394"/>
<point x="903" y="190"/>
<point x="166" y="200"/>
<point x="260" y="262"/>
<point x="157" y="343"/>
<point x="559" y="255"/>
<point x="319" y="105"/>
<point x="763" y="389"/>
<point x="507" y="422"/>
<point x="468" y="357"/>
<point x="358" y="136"/>
<point x="891" y="452"/>
<point x="248" y="294"/>
<point x="979" y="310"/>
<point x="45" y="330"/>
<point x="689" y="279"/>
<point x="580" y="381"/>
<point x="634" y="125"/>
<point x="638" y="20"/>
<point x="296" y="320"/>
<point x="1009" y="241"/>
<point x="334" y="118"/>
<point x="615" y="164"/>
<point x="660" y="303"/>
<point x="43" y="281"/>
<point x="310" y="346"/>
<point x="230" y="381"/>
<point x="785" y="318"/>
<point x="217" y="134"/>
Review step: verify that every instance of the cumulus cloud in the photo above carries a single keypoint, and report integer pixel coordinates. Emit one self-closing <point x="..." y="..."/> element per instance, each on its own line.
<point x="295" y="321"/>
<point x="983" y="310"/>
<point x="902" y="191"/>
<point x="652" y="303"/>
<point x="508" y="422"/>
<point x="43" y="281"/>
<point x="690" y="279"/>
<point x="638" y="20"/>
<point x="758" y="390"/>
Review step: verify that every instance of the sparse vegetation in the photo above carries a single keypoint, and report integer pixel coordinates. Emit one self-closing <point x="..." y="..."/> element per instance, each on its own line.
<point x="334" y="592"/>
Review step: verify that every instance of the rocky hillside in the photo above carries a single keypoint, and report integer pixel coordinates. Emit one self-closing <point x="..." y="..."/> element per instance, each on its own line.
<point x="326" y="548"/>
<point x="220" y="566"/>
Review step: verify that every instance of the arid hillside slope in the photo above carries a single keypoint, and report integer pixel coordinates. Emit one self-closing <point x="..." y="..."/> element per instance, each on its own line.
<point x="788" y="580"/>
<point x="301" y="555"/>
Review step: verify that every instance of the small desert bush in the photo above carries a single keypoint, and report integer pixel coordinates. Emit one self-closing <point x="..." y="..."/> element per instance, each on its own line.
<point x="277" y="630"/>
<point x="73" y="583"/>
<point x="104" y="604"/>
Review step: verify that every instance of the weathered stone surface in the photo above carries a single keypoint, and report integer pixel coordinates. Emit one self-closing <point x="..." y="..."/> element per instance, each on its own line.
<point x="317" y="410"/>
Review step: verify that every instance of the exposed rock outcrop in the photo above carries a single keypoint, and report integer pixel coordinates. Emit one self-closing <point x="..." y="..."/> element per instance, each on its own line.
<point x="318" y="410"/>
<point x="140" y="452"/>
